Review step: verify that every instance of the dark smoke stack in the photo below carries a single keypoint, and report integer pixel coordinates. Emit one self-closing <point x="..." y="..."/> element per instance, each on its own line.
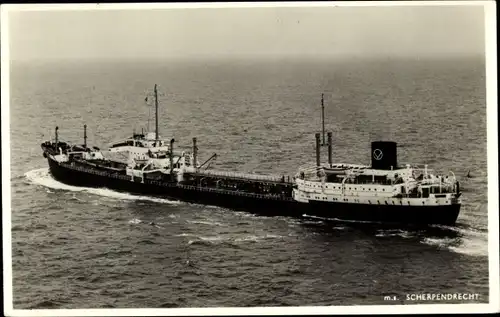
<point x="318" y="163"/>
<point x="384" y="155"/>
<point x="195" y="153"/>
<point x="330" y="145"/>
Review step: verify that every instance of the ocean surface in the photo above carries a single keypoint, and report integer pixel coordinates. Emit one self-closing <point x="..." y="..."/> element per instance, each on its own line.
<point x="92" y="248"/>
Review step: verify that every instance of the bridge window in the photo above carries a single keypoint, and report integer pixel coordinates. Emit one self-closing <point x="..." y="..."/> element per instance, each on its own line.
<point x="119" y="144"/>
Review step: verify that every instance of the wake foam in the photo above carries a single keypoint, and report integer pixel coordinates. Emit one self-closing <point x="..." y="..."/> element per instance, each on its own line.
<point x="135" y="221"/>
<point x="43" y="177"/>
<point x="472" y="241"/>
<point x="208" y="223"/>
<point x="213" y="240"/>
<point x="394" y="233"/>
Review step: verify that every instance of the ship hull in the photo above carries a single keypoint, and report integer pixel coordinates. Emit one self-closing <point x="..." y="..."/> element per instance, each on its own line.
<point x="404" y="215"/>
<point x="226" y="199"/>
<point x="414" y="215"/>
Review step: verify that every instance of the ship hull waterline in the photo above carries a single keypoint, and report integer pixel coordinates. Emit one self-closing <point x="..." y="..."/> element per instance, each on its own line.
<point x="388" y="214"/>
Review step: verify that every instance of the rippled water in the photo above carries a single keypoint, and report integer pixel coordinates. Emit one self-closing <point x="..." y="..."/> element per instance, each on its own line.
<point x="88" y="248"/>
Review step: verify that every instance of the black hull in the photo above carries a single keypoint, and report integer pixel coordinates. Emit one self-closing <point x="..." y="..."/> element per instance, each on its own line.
<point x="389" y="214"/>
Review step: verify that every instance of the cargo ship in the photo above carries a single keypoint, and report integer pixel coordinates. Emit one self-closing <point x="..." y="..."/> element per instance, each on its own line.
<point x="145" y="163"/>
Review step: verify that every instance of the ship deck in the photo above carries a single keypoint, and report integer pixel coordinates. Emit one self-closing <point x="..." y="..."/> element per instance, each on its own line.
<point x="244" y="177"/>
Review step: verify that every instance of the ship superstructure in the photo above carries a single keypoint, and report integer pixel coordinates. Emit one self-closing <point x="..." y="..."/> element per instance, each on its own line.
<point x="382" y="184"/>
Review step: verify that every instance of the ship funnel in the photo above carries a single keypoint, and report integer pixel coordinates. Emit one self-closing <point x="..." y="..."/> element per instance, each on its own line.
<point x="384" y="155"/>
<point x="318" y="162"/>
<point x="330" y="145"/>
<point x="57" y="136"/>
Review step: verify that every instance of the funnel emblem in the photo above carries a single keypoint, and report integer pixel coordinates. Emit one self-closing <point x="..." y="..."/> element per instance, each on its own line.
<point x="378" y="154"/>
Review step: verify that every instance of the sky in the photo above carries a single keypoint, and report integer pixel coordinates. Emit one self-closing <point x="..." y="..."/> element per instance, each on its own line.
<point x="391" y="31"/>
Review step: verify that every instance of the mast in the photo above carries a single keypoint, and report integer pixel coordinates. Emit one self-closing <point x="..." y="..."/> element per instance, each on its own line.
<point x="195" y="153"/>
<point x="330" y="145"/>
<point x="323" y="117"/>
<point x="85" y="136"/>
<point x="57" y="138"/>
<point x="156" y="113"/>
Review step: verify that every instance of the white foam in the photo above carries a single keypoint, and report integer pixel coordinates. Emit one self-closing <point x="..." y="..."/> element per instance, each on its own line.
<point x="473" y="247"/>
<point x="272" y="236"/>
<point x="242" y="238"/>
<point x="257" y="237"/>
<point x="247" y="238"/>
<point x="217" y="238"/>
<point x="43" y="177"/>
<point x="463" y="231"/>
<point x="337" y="219"/>
<point x="472" y="244"/>
<point x="393" y="234"/>
<point x="208" y="223"/>
<point x="135" y="221"/>
<point x="184" y="235"/>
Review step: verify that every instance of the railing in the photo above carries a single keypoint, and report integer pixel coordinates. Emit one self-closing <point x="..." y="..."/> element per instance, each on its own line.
<point x="247" y="176"/>
<point x="237" y="193"/>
